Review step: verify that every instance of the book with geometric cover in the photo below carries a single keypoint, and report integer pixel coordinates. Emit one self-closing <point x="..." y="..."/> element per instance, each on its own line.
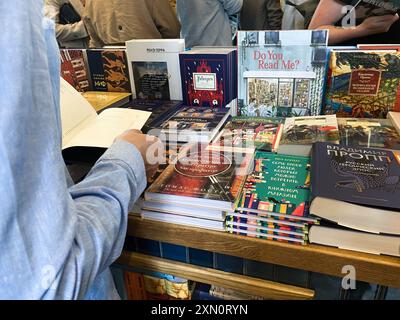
<point x="74" y="69"/>
<point x="202" y="178"/>
<point x="109" y="70"/>
<point x="281" y="73"/>
<point x="370" y="133"/>
<point x="249" y="133"/>
<point x="279" y="187"/>
<point x="363" y="84"/>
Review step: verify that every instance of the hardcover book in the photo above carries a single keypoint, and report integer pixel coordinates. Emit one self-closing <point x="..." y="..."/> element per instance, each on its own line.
<point x="207" y="76"/>
<point x="363" y="84"/>
<point x="109" y="70"/>
<point x="74" y="69"/>
<point x="281" y="73"/>
<point x="279" y="187"/>
<point x="248" y="133"/>
<point x="154" y="68"/>
<point x="202" y="178"/>
<point x="193" y="124"/>
<point x="369" y="133"/>
<point x="357" y="187"/>
<point x="299" y="134"/>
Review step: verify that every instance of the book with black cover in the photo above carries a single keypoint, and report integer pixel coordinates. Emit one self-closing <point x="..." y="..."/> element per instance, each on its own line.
<point x="356" y="187"/>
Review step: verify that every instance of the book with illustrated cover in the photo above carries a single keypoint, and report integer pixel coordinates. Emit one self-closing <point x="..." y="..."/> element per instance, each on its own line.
<point x="249" y="133"/>
<point x="363" y="84"/>
<point x="281" y="73"/>
<point x="370" y="133"/>
<point x="299" y="134"/>
<point x="193" y="124"/>
<point x="356" y="187"/>
<point x="154" y="68"/>
<point x="279" y="186"/>
<point x="207" y="76"/>
<point x="74" y="69"/>
<point x="202" y="178"/>
<point x="108" y="70"/>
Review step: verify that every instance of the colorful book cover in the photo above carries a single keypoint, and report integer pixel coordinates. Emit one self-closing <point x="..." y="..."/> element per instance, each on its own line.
<point x="207" y="78"/>
<point x="364" y="176"/>
<point x="307" y="130"/>
<point x="203" y="175"/>
<point x="279" y="186"/>
<point x="369" y="133"/>
<point x="266" y="236"/>
<point x="363" y="84"/>
<point x="281" y="73"/>
<point x="109" y="70"/>
<point x="74" y="69"/>
<point x="250" y="133"/>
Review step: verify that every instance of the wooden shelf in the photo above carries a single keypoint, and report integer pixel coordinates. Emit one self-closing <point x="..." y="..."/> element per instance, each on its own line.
<point x="383" y="270"/>
<point x="249" y="285"/>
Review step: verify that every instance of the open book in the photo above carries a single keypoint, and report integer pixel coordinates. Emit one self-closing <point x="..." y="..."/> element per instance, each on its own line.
<point x="83" y="127"/>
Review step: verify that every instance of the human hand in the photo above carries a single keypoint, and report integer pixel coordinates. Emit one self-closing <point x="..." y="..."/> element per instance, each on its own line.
<point x="143" y="143"/>
<point x="378" y="24"/>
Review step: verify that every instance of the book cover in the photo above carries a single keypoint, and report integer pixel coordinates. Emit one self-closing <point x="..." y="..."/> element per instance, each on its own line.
<point x="101" y="100"/>
<point x="279" y="186"/>
<point x="281" y="73"/>
<point x="203" y="178"/>
<point x="154" y="68"/>
<point x="109" y="70"/>
<point x="74" y="69"/>
<point x="363" y="84"/>
<point x="249" y="133"/>
<point x="364" y="176"/>
<point x="265" y="235"/>
<point x="207" y="77"/>
<point x="369" y="133"/>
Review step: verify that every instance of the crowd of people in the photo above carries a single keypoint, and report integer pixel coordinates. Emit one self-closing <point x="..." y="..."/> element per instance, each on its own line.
<point x="208" y="23"/>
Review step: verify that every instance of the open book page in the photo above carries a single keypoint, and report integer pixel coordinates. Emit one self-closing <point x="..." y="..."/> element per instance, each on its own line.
<point x="82" y="127"/>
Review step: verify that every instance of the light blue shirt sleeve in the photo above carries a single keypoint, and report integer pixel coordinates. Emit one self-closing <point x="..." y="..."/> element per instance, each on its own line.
<point x="56" y="242"/>
<point x="232" y="6"/>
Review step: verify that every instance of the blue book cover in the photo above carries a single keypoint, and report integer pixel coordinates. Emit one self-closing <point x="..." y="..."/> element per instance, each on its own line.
<point x="364" y="176"/>
<point x="206" y="79"/>
<point x="108" y="70"/>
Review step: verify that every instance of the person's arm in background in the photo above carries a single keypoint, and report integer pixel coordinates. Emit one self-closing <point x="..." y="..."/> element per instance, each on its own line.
<point x="165" y="19"/>
<point x="65" y="32"/>
<point x="55" y="241"/>
<point x="232" y="6"/>
<point x="329" y="12"/>
<point x="274" y="14"/>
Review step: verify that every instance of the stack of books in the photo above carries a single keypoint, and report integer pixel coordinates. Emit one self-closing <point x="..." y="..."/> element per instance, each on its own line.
<point x="198" y="189"/>
<point x="274" y="203"/>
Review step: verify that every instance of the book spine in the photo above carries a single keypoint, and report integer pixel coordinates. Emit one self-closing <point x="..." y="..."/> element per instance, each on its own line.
<point x="134" y="286"/>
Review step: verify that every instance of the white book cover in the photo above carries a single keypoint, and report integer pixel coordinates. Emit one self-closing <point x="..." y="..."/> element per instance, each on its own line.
<point x="154" y="68"/>
<point x="83" y="127"/>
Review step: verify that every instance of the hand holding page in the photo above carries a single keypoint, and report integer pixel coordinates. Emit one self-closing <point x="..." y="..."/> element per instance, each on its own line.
<point x="83" y="127"/>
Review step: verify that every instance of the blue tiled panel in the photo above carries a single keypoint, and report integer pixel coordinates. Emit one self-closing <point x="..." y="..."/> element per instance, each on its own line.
<point x="291" y="276"/>
<point x="229" y="263"/>
<point x="149" y="247"/>
<point x="130" y="244"/>
<point x="393" y="294"/>
<point x="174" y="252"/>
<point x="259" y="269"/>
<point x="363" y="291"/>
<point x="325" y="287"/>
<point x="201" y="258"/>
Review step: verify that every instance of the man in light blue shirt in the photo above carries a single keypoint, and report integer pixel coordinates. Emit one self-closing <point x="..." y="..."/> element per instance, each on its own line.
<point x="206" y="22"/>
<point x="56" y="241"/>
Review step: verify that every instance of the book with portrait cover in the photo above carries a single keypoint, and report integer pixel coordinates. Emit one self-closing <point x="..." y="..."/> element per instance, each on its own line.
<point x="363" y="84"/>
<point x="281" y="73"/>
<point x="74" y="68"/>
<point x="109" y="70"/>
<point x="248" y="133"/>
<point x="207" y="75"/>
<point x="356" y="187"/>
<point x="202" y="178"/>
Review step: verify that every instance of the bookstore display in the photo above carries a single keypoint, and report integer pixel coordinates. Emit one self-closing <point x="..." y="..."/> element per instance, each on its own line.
<point x="281" y="138"/>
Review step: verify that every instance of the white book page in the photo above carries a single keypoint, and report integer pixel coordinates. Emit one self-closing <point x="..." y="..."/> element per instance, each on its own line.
<point x="76" y="111"/>
<point x="107" y="126"/>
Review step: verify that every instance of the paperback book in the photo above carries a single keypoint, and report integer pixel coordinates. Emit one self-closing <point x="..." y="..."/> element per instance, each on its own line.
<point x="248" y="133"/>
<point x="281" y="73"/>
<point x="363" y="84"/>
<point x="74" y="69"/>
